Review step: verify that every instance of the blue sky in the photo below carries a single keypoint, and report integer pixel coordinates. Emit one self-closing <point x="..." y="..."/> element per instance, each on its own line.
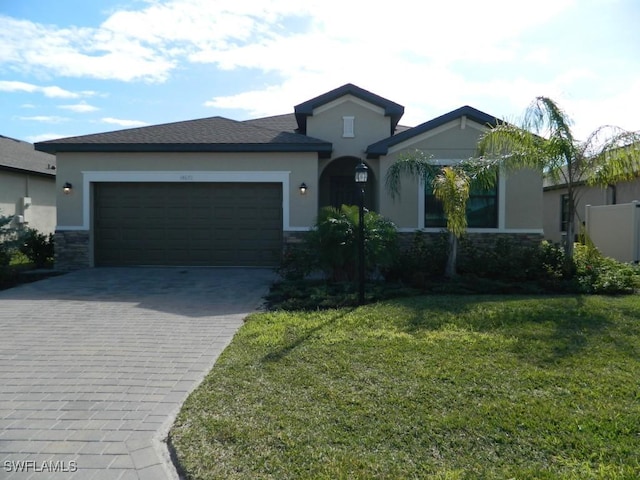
<point x="73" y="67"/>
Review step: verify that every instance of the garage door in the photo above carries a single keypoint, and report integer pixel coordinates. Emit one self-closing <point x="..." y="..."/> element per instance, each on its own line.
<point x="216" y="224"/>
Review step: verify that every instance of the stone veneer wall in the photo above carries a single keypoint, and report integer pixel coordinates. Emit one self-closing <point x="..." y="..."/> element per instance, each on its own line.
<point x="480" y="240"/>
<point x="292" y="238"/>
<point x="71" y="250"/>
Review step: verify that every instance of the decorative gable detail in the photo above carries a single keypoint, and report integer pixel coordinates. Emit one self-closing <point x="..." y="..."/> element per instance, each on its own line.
<point x="348" y="127"/>
<point x="388" y="108"/>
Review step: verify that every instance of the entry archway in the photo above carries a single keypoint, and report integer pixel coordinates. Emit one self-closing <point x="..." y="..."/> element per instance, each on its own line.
<point x="338" y="186"/>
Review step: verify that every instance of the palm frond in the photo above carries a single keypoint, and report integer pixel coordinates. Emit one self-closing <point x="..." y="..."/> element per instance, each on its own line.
<point x="544" y="117"/>
<point x="511" y="146"/>
<point x="451" y="186"/>
<point x="415" y="165"/>
<point x="614" y="156"/>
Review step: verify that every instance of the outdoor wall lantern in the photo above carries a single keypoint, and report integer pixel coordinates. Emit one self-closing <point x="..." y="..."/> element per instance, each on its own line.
<point x="362" y="174"/>
<point x="303" y="188"/>
<point x="66" y="188"/>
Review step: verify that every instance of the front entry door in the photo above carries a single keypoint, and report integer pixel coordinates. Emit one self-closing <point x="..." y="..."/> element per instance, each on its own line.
<point x="342" y="191"/>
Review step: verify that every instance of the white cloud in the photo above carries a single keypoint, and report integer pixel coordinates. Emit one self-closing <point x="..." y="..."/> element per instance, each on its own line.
<point x="45" y="119"/>
<point x="81" y="107"/>
<point x="43" y="137"/>
<point x="284" y="36"/>
<point x="48" y="91"/>
<point x="430" y="57"/>
<point x="123" y="123"/>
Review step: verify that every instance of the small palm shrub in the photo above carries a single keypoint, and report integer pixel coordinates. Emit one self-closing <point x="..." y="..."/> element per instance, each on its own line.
<point x="332" y="245"/>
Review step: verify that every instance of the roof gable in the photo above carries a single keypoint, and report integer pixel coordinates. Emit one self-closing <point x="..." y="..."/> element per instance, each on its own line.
<point x="214" y="134"/>
<point x="305" y="109"/>
<point x="382" y="147"/>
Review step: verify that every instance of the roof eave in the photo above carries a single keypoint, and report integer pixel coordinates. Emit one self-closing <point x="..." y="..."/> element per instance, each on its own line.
<point x="181" y="147"/>
<point x="27" y="171"/>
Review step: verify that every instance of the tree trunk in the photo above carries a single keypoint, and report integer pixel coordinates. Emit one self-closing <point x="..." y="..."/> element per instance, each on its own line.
<point x="452" y="259"/>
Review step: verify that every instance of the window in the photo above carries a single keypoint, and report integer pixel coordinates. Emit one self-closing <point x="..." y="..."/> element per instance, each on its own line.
<point x="482" y="209"/>
<point x="564" y="212"/>
<point x="348" y="128"/>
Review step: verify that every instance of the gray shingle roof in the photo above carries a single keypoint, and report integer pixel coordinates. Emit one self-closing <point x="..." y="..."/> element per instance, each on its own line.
<point x="281" y="123"/>
<point x="214" y="134"/>
<point x="382" y="147"/>
<point x="20" y="156"/>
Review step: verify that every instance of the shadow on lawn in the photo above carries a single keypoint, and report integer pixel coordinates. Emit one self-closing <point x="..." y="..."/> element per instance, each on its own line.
<point x="280" y="353"/>
<point x="545" y="329"/>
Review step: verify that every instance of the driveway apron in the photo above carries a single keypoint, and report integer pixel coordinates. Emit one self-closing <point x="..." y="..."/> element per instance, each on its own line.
<point x="95" y="364"/>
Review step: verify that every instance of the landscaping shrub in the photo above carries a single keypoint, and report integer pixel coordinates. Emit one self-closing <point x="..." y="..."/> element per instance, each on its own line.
<point x="334" y="241"/>
<point x="595" y="273"/>
<point x="507" y="266"/>
<point x="297" y="262"/>
<point x="38" y="247"/>
<point x="8" y="238"/>
<point x="504" y="260"/>
<point x="424" y="258"/>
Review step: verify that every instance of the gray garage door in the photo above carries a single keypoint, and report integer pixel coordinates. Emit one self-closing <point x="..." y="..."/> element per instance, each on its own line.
<point x="218" y="224"/>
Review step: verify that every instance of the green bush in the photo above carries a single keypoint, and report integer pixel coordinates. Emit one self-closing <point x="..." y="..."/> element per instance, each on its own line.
<point x="595" y="273"/>
<point x="504" y="260"/>
<point x="332" y="245"/>
<point x="8" y="240"/>
<point x="297" y="262"/>
<point x="424" y="258"/>
<point x="37" y="246"/>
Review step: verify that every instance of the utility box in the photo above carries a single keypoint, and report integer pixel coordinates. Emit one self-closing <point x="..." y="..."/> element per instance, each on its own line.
<point x="615" y="230"/>
<point x="26" y="214"/>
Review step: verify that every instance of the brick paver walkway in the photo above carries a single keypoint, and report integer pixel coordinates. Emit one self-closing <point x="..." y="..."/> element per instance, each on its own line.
<point x="94" y="365"/>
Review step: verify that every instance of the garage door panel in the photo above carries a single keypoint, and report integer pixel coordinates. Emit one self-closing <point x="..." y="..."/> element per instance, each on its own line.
<point x="188" y="224"/>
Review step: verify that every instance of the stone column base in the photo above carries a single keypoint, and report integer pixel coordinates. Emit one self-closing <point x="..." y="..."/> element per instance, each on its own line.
<point x="71" y="250"/>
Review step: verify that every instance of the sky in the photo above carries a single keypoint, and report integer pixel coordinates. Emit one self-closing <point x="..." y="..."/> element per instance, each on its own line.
<point x="74" y="67"/>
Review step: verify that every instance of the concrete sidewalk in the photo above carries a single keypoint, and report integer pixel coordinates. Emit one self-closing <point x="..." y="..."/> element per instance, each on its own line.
<point x="95" y="364"/>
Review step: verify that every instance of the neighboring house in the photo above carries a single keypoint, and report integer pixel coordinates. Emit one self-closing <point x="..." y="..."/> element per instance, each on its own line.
<point x="27" y="185"/>
<point x="556" y="206"/>
<point x="216" y="191"/>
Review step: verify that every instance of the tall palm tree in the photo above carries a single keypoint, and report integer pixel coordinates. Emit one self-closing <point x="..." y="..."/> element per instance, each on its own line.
<point x="545" y="141"/>
<point x="450" y="184"/>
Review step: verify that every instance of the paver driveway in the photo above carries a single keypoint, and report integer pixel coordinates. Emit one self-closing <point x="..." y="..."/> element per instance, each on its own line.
<point x="95" y="364"/>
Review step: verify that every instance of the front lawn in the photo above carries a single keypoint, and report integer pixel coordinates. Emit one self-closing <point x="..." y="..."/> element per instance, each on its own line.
<point x="445" y="387"/>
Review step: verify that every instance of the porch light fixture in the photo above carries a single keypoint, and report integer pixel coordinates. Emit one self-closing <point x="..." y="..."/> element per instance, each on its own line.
<point x="303" y="188"/>
<point x="362" y="173"/>
<point x="361" y="176"/>
<point x="66" y="188"/>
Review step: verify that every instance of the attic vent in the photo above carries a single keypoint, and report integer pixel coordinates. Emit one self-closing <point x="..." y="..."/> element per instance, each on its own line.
<point x="348" y="130"/>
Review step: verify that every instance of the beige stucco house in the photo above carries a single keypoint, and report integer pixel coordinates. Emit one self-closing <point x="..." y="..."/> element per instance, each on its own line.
<point x="216" y="191"/>
<point x="27" y="185"/>
<point x="555" y="201"/>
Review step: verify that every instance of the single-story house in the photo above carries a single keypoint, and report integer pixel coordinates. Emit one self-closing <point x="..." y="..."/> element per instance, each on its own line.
<point x="27" y="185"/>
<point x="221" y="192"/>
<point x="556" y="204"/>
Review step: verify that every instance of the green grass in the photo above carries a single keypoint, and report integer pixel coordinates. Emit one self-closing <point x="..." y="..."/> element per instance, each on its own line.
<point x="444" y="387"/>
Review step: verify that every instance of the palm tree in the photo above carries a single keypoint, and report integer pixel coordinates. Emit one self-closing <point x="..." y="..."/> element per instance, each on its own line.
<point x="450" y="184"/>
<point x="545" y="141"/>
